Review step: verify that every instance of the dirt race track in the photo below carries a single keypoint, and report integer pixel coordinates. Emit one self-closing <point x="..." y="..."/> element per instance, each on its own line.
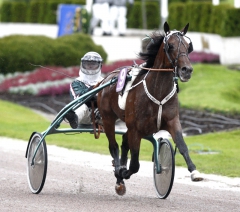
<point x="81" y="181"/>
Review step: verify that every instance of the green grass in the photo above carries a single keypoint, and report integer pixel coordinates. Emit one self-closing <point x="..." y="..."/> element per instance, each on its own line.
<point x="22" y="123"/>
<point x="212" y="87"/>
<point x="19" y="122"/>
<point x="225" y="162"/>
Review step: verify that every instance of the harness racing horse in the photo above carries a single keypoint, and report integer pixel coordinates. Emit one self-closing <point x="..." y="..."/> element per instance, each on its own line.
<point x="147" y="110"/>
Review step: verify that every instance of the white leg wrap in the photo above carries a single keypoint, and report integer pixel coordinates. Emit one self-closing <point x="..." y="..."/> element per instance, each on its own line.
<point x="196" y="176"/>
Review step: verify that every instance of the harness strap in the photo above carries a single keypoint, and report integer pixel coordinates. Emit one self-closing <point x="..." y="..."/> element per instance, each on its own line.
<point x="96" y="133"/>
<point x="169" y="96"/>
<point x="133" y="86"/>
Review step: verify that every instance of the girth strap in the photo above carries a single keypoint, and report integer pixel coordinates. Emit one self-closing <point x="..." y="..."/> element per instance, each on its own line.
<point x="169" y="96"/>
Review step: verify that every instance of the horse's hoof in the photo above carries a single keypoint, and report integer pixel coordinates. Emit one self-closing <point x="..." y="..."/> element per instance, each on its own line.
<point x="196" y="176"/>
<point x="120" y="189"/>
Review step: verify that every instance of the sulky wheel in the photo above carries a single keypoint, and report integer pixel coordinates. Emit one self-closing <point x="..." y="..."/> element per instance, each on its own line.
<point x="36" y="172"/>
<point x="163" y="182"/>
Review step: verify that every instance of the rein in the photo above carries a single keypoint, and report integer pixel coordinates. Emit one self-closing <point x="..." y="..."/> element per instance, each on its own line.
<point x="158" y="69"/>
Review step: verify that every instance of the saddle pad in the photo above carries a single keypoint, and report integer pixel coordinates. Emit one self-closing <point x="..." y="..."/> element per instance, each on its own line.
<point x="122" y="98"/>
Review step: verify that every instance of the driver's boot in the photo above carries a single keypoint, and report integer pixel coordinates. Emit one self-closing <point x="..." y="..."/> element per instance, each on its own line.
<point x="72" y="119"/>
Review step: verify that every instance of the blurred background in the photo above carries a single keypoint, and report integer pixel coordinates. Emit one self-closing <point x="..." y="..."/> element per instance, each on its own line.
<point x="56" y="33"/>
<point x="42" y="42"/>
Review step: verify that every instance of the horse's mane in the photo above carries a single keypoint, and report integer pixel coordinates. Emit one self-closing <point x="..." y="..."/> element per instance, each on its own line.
<point x="151" y="48"/>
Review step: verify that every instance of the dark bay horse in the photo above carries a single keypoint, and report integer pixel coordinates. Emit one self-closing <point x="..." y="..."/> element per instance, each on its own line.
<point x="166" y="59"/>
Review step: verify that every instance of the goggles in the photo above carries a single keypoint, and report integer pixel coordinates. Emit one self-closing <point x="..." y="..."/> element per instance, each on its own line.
<point x="90" y="65"/>
<point x="91" y="58"/>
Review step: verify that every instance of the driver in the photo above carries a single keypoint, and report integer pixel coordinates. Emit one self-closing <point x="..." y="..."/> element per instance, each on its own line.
<point x="89" y="75"/>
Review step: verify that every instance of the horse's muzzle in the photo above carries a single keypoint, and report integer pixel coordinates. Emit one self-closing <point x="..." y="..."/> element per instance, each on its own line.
<point x="185" y="73"/>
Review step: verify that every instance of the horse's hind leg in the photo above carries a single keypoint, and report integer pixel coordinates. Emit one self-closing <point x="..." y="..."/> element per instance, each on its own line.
<point x="175" y="130"/>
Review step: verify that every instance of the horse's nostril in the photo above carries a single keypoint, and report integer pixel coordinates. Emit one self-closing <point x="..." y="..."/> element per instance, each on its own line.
<point x="184" y="69"/>
<point x="187" y="69"/>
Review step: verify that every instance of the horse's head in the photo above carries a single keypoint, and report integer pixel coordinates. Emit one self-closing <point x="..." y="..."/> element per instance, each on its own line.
<point x="177" y="49"/>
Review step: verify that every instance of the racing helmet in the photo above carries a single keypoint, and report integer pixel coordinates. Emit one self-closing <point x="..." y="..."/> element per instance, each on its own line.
<point x="91" y="63"/>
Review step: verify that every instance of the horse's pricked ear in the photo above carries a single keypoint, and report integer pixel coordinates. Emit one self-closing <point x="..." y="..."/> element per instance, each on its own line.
<point x="185" y="29"/>
<point x="166" y="28"/>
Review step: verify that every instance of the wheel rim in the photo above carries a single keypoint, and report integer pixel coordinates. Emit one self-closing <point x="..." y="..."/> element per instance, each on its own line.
<point x="36" y="172"/>
<point x="163" y="181"/>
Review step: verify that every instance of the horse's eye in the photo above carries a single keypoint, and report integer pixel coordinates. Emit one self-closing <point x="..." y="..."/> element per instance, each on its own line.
<point x="171" y="46"/>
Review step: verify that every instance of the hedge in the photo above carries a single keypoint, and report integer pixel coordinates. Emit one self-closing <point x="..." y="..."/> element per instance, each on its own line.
<point x="205" y="17"/>
<point x="191" y="15"/>
<point x="216" y="23"/>
<point x="134" y="16"/>
<point x="33" y="15"/>
<point x="231" y="24"/>
<point x="6" y="12"/>
<point x="204" y="25"/>
<point x="51" y="13"/>
<point x="44" y="11"/>
<point x="176" y="17"/>
<point x="153" y="15"/>
<point x="18" y="51"/>
<point x="202" y="15"/>
<point x="18" y="11"/>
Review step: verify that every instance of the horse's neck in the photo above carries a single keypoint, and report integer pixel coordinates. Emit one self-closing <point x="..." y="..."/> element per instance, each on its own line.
<point x="161" y="60"/>
<point x="160" y="82"/>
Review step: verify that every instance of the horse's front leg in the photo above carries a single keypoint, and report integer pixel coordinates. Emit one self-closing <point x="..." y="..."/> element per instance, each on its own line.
<point x="120" y="165"/>
<point x="114" y="151"/>
<point x="124" y="150"/>
<point x="120" y="187"/>
<point x="175" y="129"/>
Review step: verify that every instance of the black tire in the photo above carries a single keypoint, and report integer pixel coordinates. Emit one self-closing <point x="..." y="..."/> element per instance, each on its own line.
<point x="37" y="172"/>
<point x="163" y="182"/>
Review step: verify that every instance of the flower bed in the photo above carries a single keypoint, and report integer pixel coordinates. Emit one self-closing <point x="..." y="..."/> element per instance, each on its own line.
<point x="203" y="57"/>
<point x="56" y="80"/>
<point x="49" y="80"/>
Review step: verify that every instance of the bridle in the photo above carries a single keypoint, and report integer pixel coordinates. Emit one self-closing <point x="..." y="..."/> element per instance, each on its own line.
<point x="179" y="35"/>
<point x="166" y="49"/>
